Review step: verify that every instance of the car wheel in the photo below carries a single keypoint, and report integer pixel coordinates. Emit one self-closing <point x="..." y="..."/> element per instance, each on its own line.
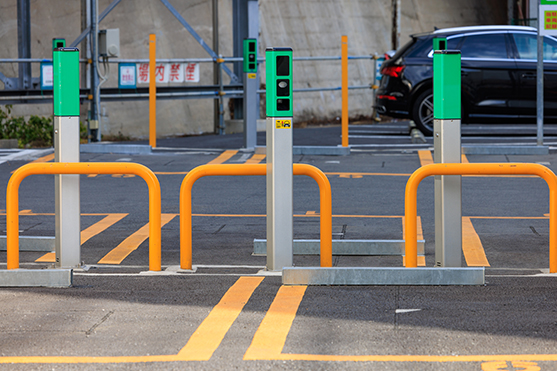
<point x="422" y="112"/>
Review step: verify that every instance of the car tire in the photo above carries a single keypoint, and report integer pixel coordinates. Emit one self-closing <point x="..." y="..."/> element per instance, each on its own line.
<point x="422" y="112"/>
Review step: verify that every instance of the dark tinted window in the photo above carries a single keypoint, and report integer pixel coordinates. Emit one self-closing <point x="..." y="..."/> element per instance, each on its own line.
<point x="487" y="46"/>
<point x="527" y="47"/>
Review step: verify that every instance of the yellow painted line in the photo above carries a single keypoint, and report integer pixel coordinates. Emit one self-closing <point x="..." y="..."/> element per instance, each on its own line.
<point x="269" y="340"/>
<point x="130" y="244"/>
<point x="86" y="234"/>
<point x="425" y="157"/>
<point x="100" y="226"/>
<point x="208" y="336"/>
<point x="201" y="345"/>
<point x="273" y="330"/>
<point x="46" y="158"/>
<point x="49" y="257"/>
<point x="256" y="158"/>
<point x="472" y="245"/>
<point x="464" y="159"/>
<point x="223" y="157"/>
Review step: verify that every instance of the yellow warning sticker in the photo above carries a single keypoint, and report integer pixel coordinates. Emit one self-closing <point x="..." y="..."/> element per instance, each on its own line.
<point x="283" y="124"/>
<point x="252" y="75"/>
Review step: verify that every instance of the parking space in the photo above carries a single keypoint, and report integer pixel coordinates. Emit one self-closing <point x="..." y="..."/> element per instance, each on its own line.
<point x="227" y="314"/>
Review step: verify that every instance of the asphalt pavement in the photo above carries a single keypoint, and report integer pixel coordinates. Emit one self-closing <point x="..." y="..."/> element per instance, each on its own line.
<point x="227" y="314"/>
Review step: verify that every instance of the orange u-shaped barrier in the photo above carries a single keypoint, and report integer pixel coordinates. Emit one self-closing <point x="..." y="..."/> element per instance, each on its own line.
<point x="325" y="195"/>
<point x="410" y="202"/>
<point x="12" y="200"/>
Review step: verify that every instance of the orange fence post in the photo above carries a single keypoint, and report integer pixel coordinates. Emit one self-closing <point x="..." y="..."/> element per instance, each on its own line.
<point x="326" y="224"/>
<point x="12" y="200"/>
<point x="344" y="67"/>
<point x="411" y="194"/>
<point x="152" y="90"/>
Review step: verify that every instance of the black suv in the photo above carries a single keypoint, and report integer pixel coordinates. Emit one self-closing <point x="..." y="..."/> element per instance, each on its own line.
<point x="498" y="76"/>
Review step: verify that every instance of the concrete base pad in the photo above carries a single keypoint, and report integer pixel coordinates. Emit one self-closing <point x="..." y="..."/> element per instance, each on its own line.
<point x="343" y="247"/>
<point x="129" y="149"/>
<point x="504" y="150"/>
<point x="36" y="278"/>
<point x="383" y="276"/>
<point x="313" y="150"/>
<point x="31" y="243"/>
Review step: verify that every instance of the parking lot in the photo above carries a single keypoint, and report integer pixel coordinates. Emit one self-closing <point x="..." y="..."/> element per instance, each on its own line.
<point x="227" y="314"/>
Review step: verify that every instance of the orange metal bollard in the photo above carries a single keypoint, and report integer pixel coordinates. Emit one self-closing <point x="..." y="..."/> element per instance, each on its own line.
<point x="411" y="194"/>
<point x="12" y="200"/>
<point x="325" y="195"/>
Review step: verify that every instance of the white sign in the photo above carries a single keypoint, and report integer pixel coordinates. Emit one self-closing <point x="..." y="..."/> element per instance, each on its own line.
<point x="547" y="18"/>
<point x="169" y="72"/>
<point x="192" y="72"/>
<point x="127" y="76"/>
<point x="47" y="76"/>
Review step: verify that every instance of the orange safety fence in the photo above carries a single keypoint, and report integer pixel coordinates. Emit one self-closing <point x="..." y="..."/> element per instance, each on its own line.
<point x="411" y="195"/>
<point x="325" y="196"/>
<point x="12" y="200"/>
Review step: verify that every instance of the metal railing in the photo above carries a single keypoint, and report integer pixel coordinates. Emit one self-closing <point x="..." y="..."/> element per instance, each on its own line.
<point x="411" y="195"/>
<point x="12" y="200"/>
<point x="325" y="197"/>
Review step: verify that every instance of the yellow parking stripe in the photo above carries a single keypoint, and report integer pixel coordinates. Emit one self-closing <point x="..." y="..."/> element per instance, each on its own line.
<point x="472" y="245"/>
<point x="225" y="156"/>
<point x="464" y="159"/>
<point x="256" y="158"/>
<point x="130" y="244"/>
<point x="208" y="336"/>
<point x="425" y="157"/>
<point x="46" y="158"/>
<point x="273" y="330"/>
<point x="86" y="234"/>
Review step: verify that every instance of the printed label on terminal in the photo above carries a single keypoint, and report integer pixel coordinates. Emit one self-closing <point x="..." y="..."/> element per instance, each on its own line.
<point x="252" y="75"/>
<point x="283" y="124"/>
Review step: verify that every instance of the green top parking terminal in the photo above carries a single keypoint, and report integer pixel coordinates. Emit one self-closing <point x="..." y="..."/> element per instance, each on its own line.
<point x="66" y="81"/>
<point x="279" y="82"/>
<point x="250" y="55"/>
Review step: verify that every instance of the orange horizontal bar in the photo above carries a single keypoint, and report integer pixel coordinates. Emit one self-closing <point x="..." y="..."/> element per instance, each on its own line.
<point x="12" y="200"/>
<point x="410" y="202"/>
<point x="326" y="223"/>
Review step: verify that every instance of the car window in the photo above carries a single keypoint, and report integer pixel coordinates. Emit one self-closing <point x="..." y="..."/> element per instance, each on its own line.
<point x="485" y="46"/>
<point x="526" y="45"/>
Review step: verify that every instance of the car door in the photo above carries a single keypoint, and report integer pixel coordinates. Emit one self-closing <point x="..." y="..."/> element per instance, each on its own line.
<point x="488" y="74"/>
<point x="525" y="45"/>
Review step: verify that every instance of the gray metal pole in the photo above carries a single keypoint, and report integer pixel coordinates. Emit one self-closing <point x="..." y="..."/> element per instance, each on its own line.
<point x="216" y="103"/>
<point x="539" y="92"/>
<point x="24" y="42"/>
<point x="95" y="102"/>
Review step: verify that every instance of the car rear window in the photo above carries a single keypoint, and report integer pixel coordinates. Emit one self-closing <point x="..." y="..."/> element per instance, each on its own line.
<point x="485" y="46"/>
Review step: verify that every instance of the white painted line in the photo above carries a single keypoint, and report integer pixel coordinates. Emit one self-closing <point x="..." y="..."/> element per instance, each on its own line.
<point x="398" y="311"/>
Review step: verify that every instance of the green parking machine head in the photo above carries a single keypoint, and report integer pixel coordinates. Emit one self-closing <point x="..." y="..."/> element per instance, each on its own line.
<point x="279" y="82"/>
<point x="65" y="68"/>
<point x="250" y="55"/>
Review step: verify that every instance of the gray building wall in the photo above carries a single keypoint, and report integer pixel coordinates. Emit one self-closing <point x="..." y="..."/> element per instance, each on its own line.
<point x="310" y="27"/>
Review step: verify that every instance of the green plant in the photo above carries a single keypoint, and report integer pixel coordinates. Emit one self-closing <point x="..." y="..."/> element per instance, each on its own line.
<point x="36" y="132"/>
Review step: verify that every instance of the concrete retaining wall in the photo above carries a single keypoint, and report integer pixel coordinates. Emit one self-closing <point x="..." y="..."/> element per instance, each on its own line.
<point x="310" y="27"/>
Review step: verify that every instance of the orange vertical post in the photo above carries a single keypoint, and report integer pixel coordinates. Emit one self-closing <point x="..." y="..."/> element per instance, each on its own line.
<point x="344" y="65"/>
<point x="152" y="91"/>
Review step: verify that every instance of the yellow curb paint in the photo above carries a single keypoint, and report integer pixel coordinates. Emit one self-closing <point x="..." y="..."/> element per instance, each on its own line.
<point x="256" y="158"/>
<point x="273" y="330"/>
<point x="472" y="247"/>
<point x="223" y="157"/>
<point x="425" y="157"/>
<point x="208" y="336"/>
<point x="130" y="244"/>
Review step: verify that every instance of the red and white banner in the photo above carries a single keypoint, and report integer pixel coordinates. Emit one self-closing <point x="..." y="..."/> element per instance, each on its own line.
<point x="169" y="72"/>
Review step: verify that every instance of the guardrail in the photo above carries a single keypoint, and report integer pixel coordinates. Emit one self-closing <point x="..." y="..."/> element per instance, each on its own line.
<point x="325" y="196"/>
<point x="411" y="195"/>
<point x="12" y="200"/>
